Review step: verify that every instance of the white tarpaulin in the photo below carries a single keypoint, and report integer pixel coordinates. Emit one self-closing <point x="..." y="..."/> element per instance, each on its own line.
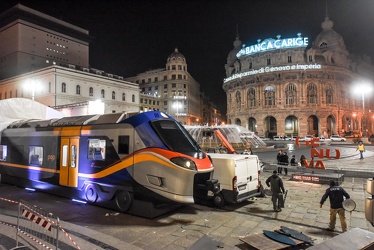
<point x="18" y="109"/>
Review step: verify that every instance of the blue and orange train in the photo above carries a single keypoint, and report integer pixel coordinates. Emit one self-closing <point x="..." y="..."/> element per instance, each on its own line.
<point x="132" y="163"/>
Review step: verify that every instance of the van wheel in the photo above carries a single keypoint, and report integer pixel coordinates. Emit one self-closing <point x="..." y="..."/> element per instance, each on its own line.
<point x="123" y="200"/>
<point x="218" y="200"/>
<point x="91" y="194"/>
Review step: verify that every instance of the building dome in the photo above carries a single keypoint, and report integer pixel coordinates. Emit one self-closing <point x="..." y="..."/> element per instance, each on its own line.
<point x="231" y="58"/>
<point x="176" y="56"/>
<point x="328" y="38"/>
<point x="329" y="47"/>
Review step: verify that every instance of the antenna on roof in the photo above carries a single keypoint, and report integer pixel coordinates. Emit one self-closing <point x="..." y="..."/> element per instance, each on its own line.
<point x="327" y="14"/>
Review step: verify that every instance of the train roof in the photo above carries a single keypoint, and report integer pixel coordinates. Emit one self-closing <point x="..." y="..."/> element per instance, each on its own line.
<point x="73" y="121"/>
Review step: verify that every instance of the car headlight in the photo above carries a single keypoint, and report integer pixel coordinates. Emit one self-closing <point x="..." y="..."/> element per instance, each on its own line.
<point x="184" y="163"/>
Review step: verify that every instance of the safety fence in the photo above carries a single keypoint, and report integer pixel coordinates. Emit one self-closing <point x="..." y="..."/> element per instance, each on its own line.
<point x="39" y="228"/>
<point x="313" y="175"/>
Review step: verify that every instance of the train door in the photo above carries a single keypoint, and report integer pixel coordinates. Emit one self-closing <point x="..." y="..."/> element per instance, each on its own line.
<point x="69" y="154"/>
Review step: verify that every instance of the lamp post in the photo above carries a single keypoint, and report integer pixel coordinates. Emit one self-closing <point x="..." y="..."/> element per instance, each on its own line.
<point x="176" y="106"/>
<point x="363" y="88"/>
<point x="32" y="84"/>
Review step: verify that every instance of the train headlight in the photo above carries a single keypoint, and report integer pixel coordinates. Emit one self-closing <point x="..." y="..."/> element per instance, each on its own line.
<point x="184" y="163"/>
<point x="199" y="155"/>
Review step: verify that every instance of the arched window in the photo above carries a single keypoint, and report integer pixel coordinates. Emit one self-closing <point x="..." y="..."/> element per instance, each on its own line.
<point x="329" y="94"/>
<point x="238" y="99"/>
<point x="269" y="96"/>
<point x="123" y="97"/>
<point x="290" y="94"/>
<point x="133" y="98"/>
<point x="113" y="95"/>
<point x="78" y="90"/>
<point x="10" y="94"/>
<point x="323" y="45"/>
<point x="63" y="87"/>
<point x="102" y="93"/>
<point x="91" y="92"/>
<point x="251" y="98"/>
<point x="312" y="93"/>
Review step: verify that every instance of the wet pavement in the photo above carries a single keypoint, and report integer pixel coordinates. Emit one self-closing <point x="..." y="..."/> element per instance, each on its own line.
<point x="196" y="226"/>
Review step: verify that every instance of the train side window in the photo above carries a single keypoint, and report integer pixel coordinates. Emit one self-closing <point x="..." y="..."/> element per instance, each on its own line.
<point x="96" y="149"/>
<point x="123" y="144"/>
<point x="36" y="155"/>
<point x="73" y="156"/>
<point x="64" y="155"/>
<point x="3" y="152"/>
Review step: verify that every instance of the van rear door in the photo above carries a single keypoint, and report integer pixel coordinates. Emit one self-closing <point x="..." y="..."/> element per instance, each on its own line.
<point x="247" y="174"/>
<point x="253" y="170"/>
<point x="241" y="172"/>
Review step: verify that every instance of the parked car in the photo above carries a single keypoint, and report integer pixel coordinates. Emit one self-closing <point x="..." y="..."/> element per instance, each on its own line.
<point x="306" y="138"/>
<point x="264" y="138"/>
<point x="278" y="138"/>
<point x="324" y="140"/>
<point x="337" y="138"/>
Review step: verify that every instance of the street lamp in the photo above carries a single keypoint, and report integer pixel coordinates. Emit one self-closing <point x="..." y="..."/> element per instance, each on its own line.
<point x="32" y="84"/>
<point x="363" y="88"/>
<point x="176" y="106"/>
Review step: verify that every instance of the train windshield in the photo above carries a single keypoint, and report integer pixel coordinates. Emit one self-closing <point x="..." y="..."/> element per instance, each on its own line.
<point x="176" y="137"/>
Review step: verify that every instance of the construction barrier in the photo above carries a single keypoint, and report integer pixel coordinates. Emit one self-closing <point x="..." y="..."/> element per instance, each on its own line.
<point x="35" y="224"/>
<point x="36" y="227"/>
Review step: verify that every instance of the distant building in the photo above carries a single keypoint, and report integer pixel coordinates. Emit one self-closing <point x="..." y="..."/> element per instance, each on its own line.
<point x="176" y="91"/>
<point x="287" y="86"/>
<point x="47" y="59"/>
<point x="211" y="115"/>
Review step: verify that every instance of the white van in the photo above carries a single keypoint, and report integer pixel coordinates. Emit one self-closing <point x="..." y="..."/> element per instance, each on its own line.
<point x="239" y="177"/>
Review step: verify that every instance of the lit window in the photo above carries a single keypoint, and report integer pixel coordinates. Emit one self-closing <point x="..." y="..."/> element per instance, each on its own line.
<point x="3" y="152"/>
<point x="36" y="155"/>
<point x="269" y="96"/>
<point x="290" y="94"/>
<point x="96" y="149"/>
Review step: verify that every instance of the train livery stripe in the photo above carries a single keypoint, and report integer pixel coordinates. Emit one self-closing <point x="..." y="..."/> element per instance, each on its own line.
<point x="143" y="157"/>
<point x="29" y="167"/>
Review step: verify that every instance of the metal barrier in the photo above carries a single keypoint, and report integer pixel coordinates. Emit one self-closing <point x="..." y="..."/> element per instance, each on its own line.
<point x="37" y="225"/>
<point x="311" y="174"/>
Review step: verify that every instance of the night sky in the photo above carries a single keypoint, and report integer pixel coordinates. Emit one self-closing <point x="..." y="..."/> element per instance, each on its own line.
<point x="130" y="37"/>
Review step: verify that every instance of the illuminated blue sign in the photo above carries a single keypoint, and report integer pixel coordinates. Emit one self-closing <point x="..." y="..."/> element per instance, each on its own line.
<point x="273" y="44"/>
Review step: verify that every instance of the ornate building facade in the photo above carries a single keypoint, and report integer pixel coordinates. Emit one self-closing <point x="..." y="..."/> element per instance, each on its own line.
<point x="173" y="88"/>
<point x="289" y="87"/>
